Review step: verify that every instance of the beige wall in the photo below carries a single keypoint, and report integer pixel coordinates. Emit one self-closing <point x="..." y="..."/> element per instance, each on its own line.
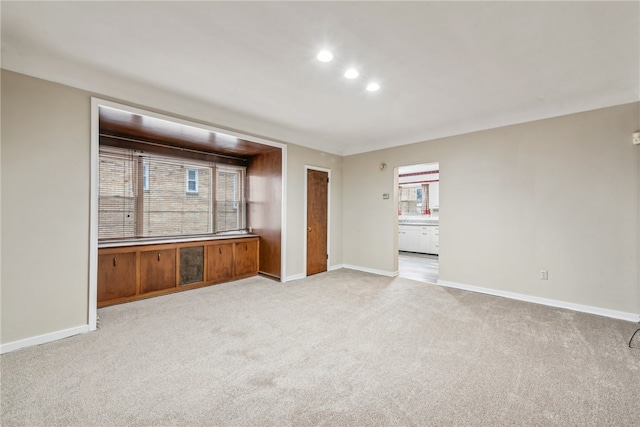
<point x="558" y="194"/>
<point x="298" y="158"/>
<point x="45" y="207"/>
<point x="46" y="136"/>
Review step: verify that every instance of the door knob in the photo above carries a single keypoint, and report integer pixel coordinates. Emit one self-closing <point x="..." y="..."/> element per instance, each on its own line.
<point x="309" y="229"/>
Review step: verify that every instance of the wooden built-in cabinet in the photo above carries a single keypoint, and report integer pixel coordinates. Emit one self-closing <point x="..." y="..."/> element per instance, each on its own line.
<point x="128" y="273"/>
<point x="157" y="270"/>
<point x="220" y="261"/>
<point x="116" y="275"/>
<point x="246" y="258"/>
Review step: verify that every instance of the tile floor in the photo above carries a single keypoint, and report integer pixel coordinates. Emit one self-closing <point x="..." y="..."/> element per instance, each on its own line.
<point x="421" y="267"/>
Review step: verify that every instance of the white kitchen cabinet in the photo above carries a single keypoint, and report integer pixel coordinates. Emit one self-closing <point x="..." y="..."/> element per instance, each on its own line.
<point x="409" y="238"/>
<point x="434" y="238"/>
<point x="425" y="239"/>
<point x="429" y="239"/>
<point x="419" y="238"/>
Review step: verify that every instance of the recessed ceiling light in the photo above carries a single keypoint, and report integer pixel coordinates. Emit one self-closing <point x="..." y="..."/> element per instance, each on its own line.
<point x="324" y="56"/>
<point x="351" y="73"/>
<point x="372" y="87"/>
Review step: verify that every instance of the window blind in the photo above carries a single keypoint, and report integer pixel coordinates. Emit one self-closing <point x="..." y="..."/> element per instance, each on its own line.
<point x="176" y="204"/>
<point x="117" y="195"/>
<point x="229" y="207"/>
<point x="146" y="195"/>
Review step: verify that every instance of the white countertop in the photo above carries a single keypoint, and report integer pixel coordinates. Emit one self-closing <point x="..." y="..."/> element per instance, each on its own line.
<point x="418" y="220"/>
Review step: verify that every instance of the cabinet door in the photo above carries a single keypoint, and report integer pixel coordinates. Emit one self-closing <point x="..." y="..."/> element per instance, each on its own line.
<point x="116" y="276"/>
<point x="157" y="270"/>
<point x="402" y="239"/>
<point x="425" y="240"/>
<point x="435" y="241"/>
<point x="220" y="262"/>
<point x="191" y="265"/>
<point x="409" y="238"/>
<point x="246" y="258"/>
<point x="413" y="239"/>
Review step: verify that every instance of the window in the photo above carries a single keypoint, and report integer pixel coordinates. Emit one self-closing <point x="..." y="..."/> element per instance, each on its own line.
<point x="143" y="195"/>
<point x="192" y="180"/>
<point x="145" y="176"/>
<point x="117" y="195"/>
<point x="230" y="212"/>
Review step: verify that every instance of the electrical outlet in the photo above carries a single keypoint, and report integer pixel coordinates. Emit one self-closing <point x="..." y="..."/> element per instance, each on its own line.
<point x="544" y="275"/>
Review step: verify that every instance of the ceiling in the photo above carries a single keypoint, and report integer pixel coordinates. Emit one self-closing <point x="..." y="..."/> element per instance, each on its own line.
<point x="445" y="68"/>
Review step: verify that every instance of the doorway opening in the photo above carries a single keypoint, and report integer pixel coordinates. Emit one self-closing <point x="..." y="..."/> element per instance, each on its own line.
<point x="419" y="221"/>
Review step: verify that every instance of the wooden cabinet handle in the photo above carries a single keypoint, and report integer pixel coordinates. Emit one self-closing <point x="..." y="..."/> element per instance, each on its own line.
<point x="115" y="261"/>
<point x="158" y="256"/>
<point x="220" y="251"/>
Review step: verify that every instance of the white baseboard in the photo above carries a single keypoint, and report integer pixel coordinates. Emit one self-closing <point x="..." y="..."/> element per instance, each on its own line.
<point x="302" y="275"/>
<point x="372" y="270"/>
<point x="622" y="315"/>
<point x="42" y="339"/>
<point x="295" y="277"/>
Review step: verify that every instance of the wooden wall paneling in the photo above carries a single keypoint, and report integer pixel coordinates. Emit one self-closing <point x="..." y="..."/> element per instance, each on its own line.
<point x="177" y="254"/>
<point x="113" y="141"/>
<point x="264" y="208"/>
<point x="138" y="268"/>
<point x="125" y="125"/>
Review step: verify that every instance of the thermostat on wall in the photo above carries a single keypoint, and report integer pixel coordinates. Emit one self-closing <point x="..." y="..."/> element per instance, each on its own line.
<point x="385" y="195"/>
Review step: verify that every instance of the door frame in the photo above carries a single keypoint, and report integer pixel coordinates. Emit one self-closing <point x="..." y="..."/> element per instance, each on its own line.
<point x="304" y="247"/>
<point x="396" y="200"/>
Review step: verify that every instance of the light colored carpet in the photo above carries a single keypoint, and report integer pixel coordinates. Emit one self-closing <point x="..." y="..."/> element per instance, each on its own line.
<point x="340" y="348"/>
